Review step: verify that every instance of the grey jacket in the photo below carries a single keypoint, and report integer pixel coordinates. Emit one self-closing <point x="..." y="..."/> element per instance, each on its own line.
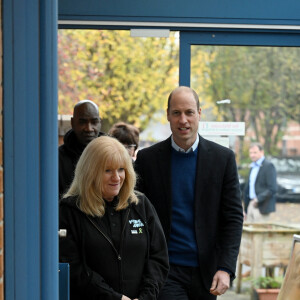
<point x="265" y="188"/>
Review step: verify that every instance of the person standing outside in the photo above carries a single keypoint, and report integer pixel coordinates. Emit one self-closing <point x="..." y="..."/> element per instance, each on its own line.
<point x="86" y="126"/>
<point x="193" y="185"/>
<point x="260" y="190"/>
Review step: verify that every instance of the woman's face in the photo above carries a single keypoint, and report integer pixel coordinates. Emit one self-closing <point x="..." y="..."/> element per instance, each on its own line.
<point x="130" y="149"/>
<point x="112" y="182"/>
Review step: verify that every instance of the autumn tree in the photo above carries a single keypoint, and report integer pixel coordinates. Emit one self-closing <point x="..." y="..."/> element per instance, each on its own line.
<point x="262" y="83"/>
<point x="129" y="78"/>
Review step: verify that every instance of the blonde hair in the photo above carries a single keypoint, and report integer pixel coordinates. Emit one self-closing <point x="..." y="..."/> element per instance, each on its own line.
<point x="87" y="184"/>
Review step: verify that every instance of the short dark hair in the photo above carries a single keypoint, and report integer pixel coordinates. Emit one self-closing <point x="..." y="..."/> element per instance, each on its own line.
<point x="126" y="134"/>
<point x="258" y="145"/>
<point x="186" y="88"/>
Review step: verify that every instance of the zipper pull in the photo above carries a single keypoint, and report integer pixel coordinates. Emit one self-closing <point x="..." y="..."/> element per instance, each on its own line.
<point x="119" y="257"/>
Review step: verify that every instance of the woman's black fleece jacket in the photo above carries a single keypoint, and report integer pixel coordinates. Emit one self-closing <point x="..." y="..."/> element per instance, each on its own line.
<point x="122" y="253"/>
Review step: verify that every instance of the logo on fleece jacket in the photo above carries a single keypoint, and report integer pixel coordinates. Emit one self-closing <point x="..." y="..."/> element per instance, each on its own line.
<point x="137" y="226"/>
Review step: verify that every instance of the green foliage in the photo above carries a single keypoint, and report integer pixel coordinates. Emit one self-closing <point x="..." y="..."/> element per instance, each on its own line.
<point x="129" y="78"/>
<point x="262" y="83"/>
<point x="267" y="282"/>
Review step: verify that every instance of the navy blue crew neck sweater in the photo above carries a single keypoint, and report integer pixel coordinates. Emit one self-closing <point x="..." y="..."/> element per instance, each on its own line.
<point x="182" y="244"/>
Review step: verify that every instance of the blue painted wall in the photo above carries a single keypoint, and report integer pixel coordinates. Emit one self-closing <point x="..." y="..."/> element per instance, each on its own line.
<point x="30" y="114"/>
<point x="212" y="11"/>
<point x="30" y="149"/>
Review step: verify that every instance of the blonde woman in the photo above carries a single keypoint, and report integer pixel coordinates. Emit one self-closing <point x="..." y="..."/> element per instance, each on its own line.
<point x="115" y="244"/>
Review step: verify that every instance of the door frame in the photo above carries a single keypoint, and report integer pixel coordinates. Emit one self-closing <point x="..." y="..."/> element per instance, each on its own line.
<point x="229" y="38"/>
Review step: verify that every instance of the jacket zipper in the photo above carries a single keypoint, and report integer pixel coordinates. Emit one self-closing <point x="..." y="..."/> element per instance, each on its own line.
<point x="110" y="241"/>
<point x="121" y="247"/>
<point x="124" y="226"/>
<point x="106" y="237"/>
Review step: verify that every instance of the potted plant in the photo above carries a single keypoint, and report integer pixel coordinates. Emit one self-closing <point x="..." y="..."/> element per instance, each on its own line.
<point x="267" y="288"/>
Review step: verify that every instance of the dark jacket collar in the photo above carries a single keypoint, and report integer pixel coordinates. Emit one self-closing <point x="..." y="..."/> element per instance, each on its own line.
<point x="72" y="144"/>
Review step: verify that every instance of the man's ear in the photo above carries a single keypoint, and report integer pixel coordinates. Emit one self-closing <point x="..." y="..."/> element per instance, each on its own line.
<point x="199" y="113"/>
<point x="167" y="114"/>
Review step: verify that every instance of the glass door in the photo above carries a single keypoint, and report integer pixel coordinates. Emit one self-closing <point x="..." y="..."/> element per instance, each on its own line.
<point x="251" y="78"/>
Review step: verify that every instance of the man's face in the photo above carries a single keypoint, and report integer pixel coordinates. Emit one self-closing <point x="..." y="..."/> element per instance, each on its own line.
<point x="184" y="118"/>
<point x="86" y="123"/>
<point x="255" y="154"/>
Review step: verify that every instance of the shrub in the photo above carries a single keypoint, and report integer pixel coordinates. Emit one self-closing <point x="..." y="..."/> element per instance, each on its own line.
<point x="267" y="283"/>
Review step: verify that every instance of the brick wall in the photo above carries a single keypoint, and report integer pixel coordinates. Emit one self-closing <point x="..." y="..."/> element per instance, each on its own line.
<point x="1" y="166"/>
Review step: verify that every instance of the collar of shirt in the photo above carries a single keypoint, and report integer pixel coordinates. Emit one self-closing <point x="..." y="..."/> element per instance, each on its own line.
<point x="179" y="149"/>
<point x="257" y="163"/>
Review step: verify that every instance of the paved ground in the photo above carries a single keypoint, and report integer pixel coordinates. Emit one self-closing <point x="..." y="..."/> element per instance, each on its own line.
<point x="286" y="213"/>
<point x="231" y="295"/>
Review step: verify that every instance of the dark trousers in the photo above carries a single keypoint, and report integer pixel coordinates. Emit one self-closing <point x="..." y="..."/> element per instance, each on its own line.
<point x="184" y="283"/>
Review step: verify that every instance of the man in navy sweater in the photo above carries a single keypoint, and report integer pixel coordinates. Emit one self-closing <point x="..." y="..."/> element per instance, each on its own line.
<point x="193" y="184"/>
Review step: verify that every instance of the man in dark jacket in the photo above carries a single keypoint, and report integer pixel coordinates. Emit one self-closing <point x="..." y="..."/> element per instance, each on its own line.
<point x="193" y="185"/>
<point x="260" y="190"/>
<point x="86" y="125"/>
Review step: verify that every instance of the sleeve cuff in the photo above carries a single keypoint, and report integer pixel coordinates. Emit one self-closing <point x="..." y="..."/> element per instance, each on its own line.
<point x="227" y="271"/>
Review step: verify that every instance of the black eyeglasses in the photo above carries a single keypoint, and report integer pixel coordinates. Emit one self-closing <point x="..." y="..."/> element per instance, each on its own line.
<point x="129" y="147"/>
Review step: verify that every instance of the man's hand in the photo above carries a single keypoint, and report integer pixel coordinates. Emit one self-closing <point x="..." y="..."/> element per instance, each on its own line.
<point x="255" y="202"/>
<point x="220" y="283"/>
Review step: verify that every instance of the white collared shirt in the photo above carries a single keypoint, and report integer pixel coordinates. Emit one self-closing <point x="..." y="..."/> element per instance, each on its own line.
<point x="179" y="149"/>
<point x="253" y="174"/>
